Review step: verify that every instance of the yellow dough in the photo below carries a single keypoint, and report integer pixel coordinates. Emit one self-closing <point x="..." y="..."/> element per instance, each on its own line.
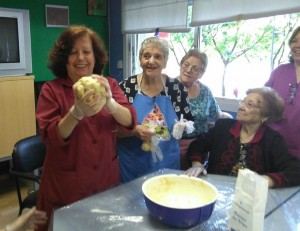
<point x="87" y="83"/>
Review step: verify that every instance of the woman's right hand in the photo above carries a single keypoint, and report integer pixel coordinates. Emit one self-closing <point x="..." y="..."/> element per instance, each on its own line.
<point x="85" y="106"/>
<point x="196" y="170"/>
<point x="28" y="220"/>
<point x="143" y="132"/>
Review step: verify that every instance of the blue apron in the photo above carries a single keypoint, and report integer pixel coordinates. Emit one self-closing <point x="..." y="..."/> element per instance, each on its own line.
<point x="134" y="162"/>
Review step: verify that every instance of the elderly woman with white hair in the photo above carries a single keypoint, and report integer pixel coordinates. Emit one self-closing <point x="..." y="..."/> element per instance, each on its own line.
<point x="159" y="101"/>
<point x="248" y="142"/>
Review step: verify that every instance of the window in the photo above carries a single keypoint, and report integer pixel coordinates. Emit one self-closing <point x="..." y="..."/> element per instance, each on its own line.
<point x="241" y="53"/>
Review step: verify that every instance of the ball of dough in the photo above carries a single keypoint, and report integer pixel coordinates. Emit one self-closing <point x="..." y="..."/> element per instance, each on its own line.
<point x="87" y="83"/>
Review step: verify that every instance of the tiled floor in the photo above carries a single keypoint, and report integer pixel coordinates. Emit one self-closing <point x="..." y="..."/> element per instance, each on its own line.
<point x="9" y="206"/>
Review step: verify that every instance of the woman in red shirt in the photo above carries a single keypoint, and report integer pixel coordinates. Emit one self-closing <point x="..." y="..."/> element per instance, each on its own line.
<point x="80" y="135"/>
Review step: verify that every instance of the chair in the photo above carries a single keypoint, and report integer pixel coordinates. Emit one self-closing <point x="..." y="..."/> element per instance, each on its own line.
<point x="27" y="161"/>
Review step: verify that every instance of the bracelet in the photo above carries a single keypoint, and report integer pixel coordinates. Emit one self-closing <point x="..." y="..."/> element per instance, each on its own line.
<point x="73" y="114"/>
<point x="115" y="107"/>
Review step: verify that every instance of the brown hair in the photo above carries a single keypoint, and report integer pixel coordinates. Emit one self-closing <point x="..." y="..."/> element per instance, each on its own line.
<point x="273" y="103"/>
<point x="196" y="53"/>
<point x="296" y="31"/>
<point x="58" y="56"/>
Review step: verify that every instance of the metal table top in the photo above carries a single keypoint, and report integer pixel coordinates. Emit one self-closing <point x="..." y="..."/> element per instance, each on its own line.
<point x="123" y="208"/>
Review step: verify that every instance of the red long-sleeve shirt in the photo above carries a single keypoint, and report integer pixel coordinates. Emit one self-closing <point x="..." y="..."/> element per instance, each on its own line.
<point x="86" y="162"/>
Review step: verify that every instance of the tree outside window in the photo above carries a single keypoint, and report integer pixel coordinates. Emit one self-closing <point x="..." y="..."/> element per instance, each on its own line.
<point x="241" y="54"/>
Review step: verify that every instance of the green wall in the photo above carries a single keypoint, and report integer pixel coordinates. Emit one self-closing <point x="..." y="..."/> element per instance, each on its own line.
<point x="42" y="37"/>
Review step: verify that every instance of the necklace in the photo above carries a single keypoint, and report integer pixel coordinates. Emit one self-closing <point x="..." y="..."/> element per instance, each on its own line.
<point x="241" y="163"/>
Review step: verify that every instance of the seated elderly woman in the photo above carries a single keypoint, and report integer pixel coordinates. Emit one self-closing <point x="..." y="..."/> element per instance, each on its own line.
<point x="248" y="143"/>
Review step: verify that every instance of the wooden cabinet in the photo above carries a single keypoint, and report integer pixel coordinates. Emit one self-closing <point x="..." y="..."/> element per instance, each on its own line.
<point x="17" y="112"/>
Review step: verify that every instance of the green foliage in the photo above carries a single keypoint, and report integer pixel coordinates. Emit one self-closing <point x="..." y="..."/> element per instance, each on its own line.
<point x="180" y="43"/>
<point x="247" y="39"/>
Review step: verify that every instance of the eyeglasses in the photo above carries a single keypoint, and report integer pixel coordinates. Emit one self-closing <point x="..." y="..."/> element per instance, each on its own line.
<point x="195" y="69"/>
<point x="248" y="104"/>
<point x="292" y="93"/>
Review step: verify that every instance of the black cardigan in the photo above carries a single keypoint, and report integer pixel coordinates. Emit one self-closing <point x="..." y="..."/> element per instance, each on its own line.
<point x="268" y="154"/>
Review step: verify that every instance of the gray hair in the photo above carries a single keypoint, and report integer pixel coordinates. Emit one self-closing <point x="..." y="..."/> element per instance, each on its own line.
<point x="273" y="103"/>
<point x="158" y="42"/>
<point x="196" y="53"/>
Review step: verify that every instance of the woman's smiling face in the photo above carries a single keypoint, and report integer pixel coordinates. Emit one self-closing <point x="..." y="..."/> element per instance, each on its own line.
<point x="152" y="61"/>
<point x="295" y="48"/>
<point x="81" y="60"/>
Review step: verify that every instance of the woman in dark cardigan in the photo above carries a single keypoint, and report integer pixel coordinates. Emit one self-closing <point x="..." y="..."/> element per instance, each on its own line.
<point x="248" y="143"/>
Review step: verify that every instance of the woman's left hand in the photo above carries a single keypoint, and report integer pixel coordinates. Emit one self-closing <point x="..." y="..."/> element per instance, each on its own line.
<point x="270" y="181"/>
<point x="111" y="105"/>
<point x="225" y="115"/>
<point x="196" y="170"/>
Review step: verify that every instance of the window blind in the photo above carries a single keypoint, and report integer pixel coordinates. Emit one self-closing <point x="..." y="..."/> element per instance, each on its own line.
<point x="206" y="12"/>
<point x="144" y="16"/>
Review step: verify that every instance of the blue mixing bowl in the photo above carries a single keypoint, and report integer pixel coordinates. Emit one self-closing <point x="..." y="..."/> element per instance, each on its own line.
<point x="179" y="200"/>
